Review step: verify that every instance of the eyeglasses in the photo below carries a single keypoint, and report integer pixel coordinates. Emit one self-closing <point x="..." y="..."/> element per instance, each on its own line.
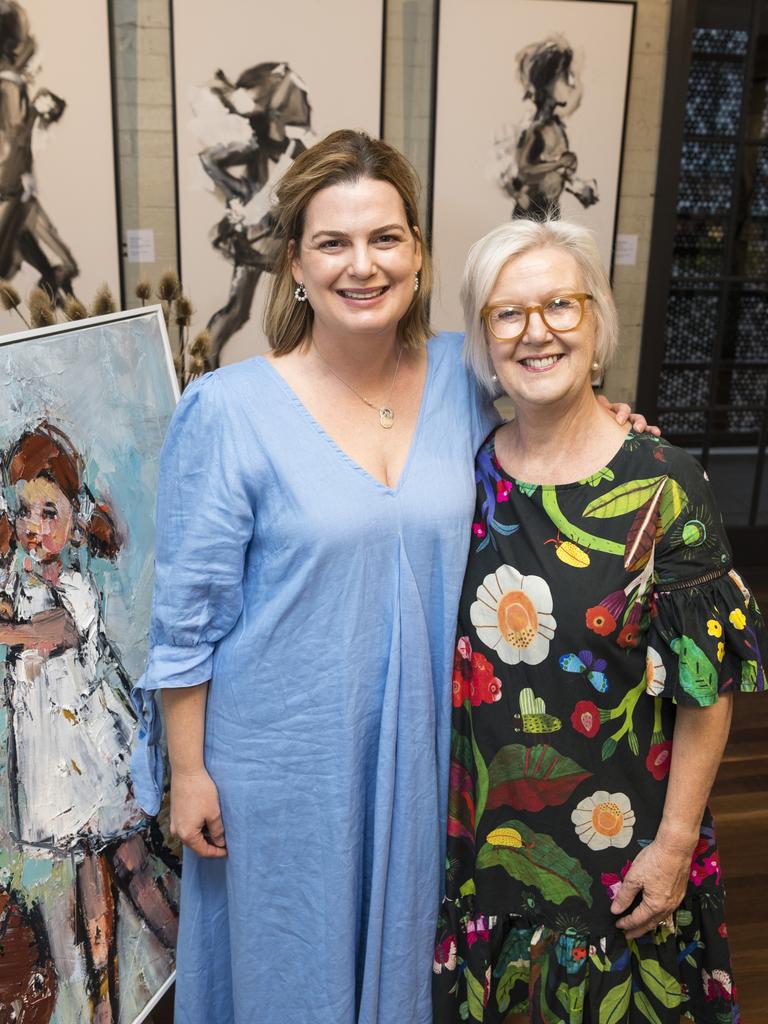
<point x="560" y="314"/>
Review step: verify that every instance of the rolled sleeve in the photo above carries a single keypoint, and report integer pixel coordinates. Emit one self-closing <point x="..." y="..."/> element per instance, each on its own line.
<point x="205" y="520"/>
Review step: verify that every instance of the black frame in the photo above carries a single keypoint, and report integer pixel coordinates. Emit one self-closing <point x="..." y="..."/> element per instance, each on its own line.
<point x="121" y="243"/>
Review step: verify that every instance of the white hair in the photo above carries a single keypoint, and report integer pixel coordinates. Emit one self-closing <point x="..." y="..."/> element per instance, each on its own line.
<point x="493" y="251"/>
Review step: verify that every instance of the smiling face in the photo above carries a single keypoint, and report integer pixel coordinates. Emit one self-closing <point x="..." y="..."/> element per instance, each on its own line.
<point x="542" y="367"/>
<point x="44" y="519"/>
<point x="357" y="259"/>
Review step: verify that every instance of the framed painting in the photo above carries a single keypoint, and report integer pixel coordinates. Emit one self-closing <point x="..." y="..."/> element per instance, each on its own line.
<point x="59" y="221"/>
<point x="539" y="129"/>
<point x="256" y="84"/>
<point x="88" y="886"/>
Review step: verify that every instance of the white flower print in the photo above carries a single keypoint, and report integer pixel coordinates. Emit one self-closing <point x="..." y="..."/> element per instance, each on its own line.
<point x="603" y="820"/>
<point x="513" y="616"/>
<point x="655" y="673"/>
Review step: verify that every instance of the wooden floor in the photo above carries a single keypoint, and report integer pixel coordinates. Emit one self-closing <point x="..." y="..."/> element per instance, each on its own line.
<point x="740" y="805"/>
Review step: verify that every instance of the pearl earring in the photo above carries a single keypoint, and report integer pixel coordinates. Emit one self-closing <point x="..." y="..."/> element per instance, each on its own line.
<point x="417" y="282"/>
<point x="300" y="293"/>
<point x="595" y="366"/>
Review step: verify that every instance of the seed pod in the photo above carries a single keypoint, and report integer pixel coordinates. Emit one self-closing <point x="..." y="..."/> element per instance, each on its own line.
<point x="168" y="287"/>
<point x="184" y="311"/>
<point x="74" y="309"/>
<point x="9" y="297"/>
<point x="201" y="346"/>
<point x="41" y="310"/>
<point x="103" y="302"/>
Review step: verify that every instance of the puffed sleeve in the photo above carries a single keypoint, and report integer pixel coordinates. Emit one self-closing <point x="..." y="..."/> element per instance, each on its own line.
<point x="205" y="520"/>
<point x="706" y="635"/>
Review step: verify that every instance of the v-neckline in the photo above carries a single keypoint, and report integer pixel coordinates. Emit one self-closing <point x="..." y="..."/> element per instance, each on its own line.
<point x="346" y="457"/>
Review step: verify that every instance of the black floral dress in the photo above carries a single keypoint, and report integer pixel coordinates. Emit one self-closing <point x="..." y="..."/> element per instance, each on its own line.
<point x="589" y="611"/>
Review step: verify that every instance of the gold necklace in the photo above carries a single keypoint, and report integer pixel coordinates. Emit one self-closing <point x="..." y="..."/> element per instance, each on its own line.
<point x="386" y="412"/>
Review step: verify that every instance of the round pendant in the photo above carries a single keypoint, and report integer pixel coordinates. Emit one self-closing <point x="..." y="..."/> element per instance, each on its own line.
<point x="386" y="417"/>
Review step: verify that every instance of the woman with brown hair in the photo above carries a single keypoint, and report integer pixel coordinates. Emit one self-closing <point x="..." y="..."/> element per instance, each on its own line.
<point x="311" y="541"/>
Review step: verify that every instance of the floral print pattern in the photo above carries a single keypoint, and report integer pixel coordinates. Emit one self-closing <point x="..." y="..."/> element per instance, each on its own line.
<point x="603" y="820"/>
<point x="512" y="616"/>
<point x="589" y="612"/>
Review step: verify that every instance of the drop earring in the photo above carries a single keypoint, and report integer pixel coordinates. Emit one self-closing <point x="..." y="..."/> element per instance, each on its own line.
<point x="300" y="292"/>
<point x="417" y="282"/>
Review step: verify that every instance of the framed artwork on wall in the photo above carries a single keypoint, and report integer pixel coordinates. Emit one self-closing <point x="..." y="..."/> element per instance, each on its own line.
<point x="531" y="99"/>
<point x="88" y="886"/>
<point x="254" y="86"/>
<point x="59" y="220"/>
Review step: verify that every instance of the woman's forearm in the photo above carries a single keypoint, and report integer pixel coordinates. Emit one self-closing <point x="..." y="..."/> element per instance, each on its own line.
<point x="195" y="809"/>
<point x="184" y="714"/>
<point x="698" y="743"/>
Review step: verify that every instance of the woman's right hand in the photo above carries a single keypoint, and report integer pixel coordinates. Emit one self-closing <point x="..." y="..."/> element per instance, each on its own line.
<point x="196" y="813"/>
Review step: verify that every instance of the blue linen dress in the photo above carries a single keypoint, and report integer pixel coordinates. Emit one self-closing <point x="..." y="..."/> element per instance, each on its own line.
<point x="322" y="606"/>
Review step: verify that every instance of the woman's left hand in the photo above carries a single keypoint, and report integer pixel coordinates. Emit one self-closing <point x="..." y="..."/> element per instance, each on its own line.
<point x="660" y="872"/>
<point x="622" y="412"/>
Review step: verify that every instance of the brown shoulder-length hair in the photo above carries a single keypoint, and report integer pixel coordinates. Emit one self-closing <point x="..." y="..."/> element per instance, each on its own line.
<point x="342" y="157"/>
<point x="47" y="452"/>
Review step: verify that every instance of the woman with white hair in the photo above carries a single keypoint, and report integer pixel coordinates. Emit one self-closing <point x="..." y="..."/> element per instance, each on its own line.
<point x="602" y="631"/>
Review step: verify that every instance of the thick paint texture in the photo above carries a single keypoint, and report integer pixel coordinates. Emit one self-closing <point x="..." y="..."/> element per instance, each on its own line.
<point x="87" y="890"/>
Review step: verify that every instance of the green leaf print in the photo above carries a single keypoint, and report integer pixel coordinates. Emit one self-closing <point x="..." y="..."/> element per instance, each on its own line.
<point x="548" y="1015"/>
<point x="625" y="498"/>
<point x="481" y="771"/>
<point x="572" y="997"/>
<point x="643" y="1003"/>
<point x="535" y="859"/>
<point x="748" y="676"/>
<point x="698" y="676"/>
<point x="586" y="540"/>
<point x="461" y="749"/>
<point x="673" y="501"/>
<point x="530" y="778"/>
<point x="659" y="982"/>
<point x="527" y="489"/>
<point x="614" y="1007"/>
<point x="514" y="972"/>
<point x="596" y="478"/>
<point x="475" y="995"/>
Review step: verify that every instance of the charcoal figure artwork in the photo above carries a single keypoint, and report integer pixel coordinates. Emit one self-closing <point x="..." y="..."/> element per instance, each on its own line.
<point x="56" y="150"/>
<point x="273" y="102"/>
<point x="537" y="162"/>
<point x="541" y="128"/>
<point x="88" y="886"/>
<point x="264" y="93"/>
<point x="26" y="230"/>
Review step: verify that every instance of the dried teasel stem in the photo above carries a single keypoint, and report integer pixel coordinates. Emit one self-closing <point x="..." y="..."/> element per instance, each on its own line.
<point x="42" y="312"/>
<point x="10" y="300"/>
<point x="74" y="308"/>
<point x="168" y="287"/>
<point x="198" y="365"/>
<point x="183" y="314"/>
<point x="103" y="302"/>
<point x="168" y="290"/>
<point x="143" y="291"/>
<point x="201" y="345"/>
